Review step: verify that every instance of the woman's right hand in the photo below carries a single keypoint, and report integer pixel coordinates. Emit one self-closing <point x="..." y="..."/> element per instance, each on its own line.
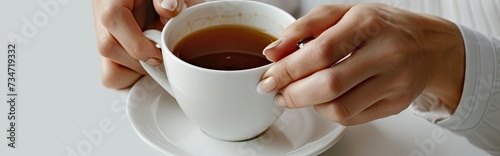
<point x="119" y="25"/>
<point x="365" y="62"/>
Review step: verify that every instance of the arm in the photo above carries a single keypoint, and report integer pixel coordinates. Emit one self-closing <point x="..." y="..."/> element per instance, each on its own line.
<point x="477" y="116"/>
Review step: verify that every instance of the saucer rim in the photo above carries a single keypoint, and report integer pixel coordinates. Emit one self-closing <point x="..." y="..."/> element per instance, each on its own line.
<point x="336" y="133"/>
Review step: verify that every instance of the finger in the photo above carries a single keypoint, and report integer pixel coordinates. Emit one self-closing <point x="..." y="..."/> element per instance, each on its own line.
<point x="352" y="96"/>
<point x="355" y="100"/>
<point x="330" y="83"/>
<point x="168" y="8"/>
<point x="120" y="22"/>
<point x="331" y="46"/>
<point x="381" y="109"/>
<point x="309" y="26"/>
<point x="112" y="50"/>
<point x="116" y="76"/>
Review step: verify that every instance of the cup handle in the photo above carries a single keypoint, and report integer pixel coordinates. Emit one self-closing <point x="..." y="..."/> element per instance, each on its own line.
<point x="158" y="73"/>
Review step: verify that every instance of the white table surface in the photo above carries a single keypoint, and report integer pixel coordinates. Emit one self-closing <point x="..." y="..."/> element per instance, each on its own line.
<point x="61" y="97"/>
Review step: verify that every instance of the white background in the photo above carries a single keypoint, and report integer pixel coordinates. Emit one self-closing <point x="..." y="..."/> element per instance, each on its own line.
<point x="61" y="97"/>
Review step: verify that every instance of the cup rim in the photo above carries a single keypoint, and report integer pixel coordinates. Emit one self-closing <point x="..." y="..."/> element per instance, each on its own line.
<point x="189" y="10"/>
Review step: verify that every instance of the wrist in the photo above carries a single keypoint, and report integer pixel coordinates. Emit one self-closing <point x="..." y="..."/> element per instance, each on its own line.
<point x="449" y="61"/>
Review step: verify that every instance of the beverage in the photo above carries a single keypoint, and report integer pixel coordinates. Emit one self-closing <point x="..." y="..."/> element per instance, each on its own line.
<point x="224" y="47"/>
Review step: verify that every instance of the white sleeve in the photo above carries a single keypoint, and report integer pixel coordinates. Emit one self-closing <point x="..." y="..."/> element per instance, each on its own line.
<point x="478" y="114"/>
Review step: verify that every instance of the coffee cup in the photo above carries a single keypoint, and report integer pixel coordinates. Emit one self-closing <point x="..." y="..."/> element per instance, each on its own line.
<point x="223" y="103"/>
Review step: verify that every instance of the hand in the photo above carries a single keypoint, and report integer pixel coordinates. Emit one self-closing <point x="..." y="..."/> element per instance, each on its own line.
<point x="119" y="25"/>
<point x="395" y="55"/>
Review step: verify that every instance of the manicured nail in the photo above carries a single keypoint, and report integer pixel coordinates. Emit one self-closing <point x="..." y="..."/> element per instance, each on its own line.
<point x="279" y="100"/>
<point x="170" y="5"/>
<point x="154" y="61"/>
<point x="272" y="45"/>
<point x="267" y="85"/>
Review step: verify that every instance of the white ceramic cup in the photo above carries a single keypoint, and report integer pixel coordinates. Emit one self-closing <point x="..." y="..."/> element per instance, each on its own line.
<point x="224" y="104"/>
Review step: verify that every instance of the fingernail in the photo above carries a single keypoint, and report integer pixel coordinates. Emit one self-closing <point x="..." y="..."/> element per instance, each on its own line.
<point x="279" y="100"/>
<point x="267" y="85"/>
<point x="272" y="45"/>
<point x="154" y="61"/>
<point x="170" y="5"/>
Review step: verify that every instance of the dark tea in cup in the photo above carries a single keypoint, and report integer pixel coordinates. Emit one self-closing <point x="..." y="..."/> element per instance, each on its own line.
<point x="224" y="47"/>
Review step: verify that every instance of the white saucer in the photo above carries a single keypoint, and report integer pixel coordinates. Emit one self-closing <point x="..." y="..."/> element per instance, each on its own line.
<point x="160" y="122"/>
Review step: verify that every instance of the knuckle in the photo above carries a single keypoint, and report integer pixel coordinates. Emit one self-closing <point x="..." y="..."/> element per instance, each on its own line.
<point x="286" y="74"/>
<point x="359" y="10"/>
<point x="401" y="82"/>
<point x="112" y="84"/>
<point x="329" y="10"/>
<point x="323" y="50"/>
<point x="113" y="76"/>
<point x="342" y="112"/>
<point x="298" y="26"/>
<point x="394" y="54"/>
<point x="108" y="77"/>
<point x="139" y="52"/>
<point x="337" y="112"/>
<point x="289" y="101"/>
<point x="332" y="83"/>
<point x="365" y="9"/>
<point x="107" y="46"/>
<point x="311" y="20"/>
<point x="109" y="17"/>
<point x="135" y="51"/>
<point x="371" y="19"/>
<point x="368" y="14"/>
<point x="108" y="83"/>
<point x="397" y="56"/>
<point x="407" y="84"/>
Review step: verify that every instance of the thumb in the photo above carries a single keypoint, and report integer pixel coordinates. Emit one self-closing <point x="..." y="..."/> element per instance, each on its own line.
<point x="168" y="8"/>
